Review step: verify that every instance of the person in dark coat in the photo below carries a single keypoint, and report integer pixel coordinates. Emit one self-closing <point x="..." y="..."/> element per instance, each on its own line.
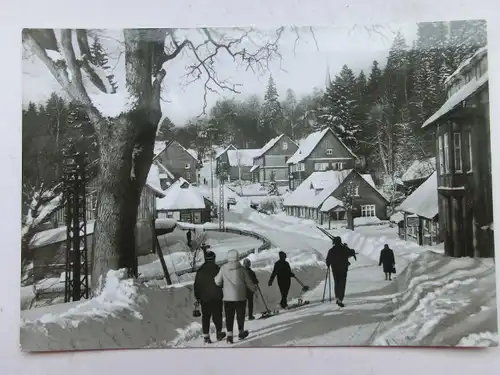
<point x="209" y="295"/>
<point x="284" y="274"/>
<point x="387" y="261"/>
<point x="338" y="260"/>
<point x="188" y="237"/>
<point x="247" y="263"/>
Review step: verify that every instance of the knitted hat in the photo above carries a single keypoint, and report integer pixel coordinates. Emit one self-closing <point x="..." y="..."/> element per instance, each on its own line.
<point x="232" y="256"/>
<point x="210" y="256"/>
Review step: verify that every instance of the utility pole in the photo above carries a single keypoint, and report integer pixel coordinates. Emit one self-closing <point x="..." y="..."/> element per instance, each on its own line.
<point x="238" y="157"/>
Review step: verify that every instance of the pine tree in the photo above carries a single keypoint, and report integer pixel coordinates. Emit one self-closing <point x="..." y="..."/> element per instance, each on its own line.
<point x="165" y="130"/>
<point x="271" y="119"/>
<point x="340" y="104"/>
<point x="466" y="37"/>
<point x="99" y="59"/>
<point x="273" y="187"/>
<point x="290" y="112"/>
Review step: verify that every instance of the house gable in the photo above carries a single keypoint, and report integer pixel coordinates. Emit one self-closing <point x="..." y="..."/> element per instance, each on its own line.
<point x="331" y="147"/>
<point x="179" y="161"/>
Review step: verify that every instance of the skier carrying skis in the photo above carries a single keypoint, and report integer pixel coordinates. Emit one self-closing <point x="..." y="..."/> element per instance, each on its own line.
<point x="209" y="295"/>
<point x="235" y="281"/>
<point x="387" y="261"/>
<point x="247" y="263"/>
<point x="338" y="260"/>
<point x="284" y="274"/>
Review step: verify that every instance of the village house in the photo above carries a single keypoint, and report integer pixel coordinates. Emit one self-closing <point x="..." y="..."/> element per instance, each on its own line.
<point x="320" y="151"/>
<point x="420" y="214"/>
<point x="462" y="128"/>
<point x="272" y="160"/>
<point x="50" y="245"/>
<point x="238" y="162"/>
<point x="180" y="161"/>
<point x="184" y="202"/>
<point x="322" y="197"/>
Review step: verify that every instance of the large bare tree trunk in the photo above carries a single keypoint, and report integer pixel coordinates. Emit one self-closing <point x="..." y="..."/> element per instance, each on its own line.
<point x="126" y="153"/>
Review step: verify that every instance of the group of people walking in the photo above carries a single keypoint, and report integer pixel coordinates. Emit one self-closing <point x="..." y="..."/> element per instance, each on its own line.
<point x="230" y="289"/>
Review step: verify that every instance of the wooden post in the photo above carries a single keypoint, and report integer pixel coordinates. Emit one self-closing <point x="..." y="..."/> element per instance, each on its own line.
<point x="162" y="261"/>
<point x="420" y="231"/>
<point x="405" y="227"/>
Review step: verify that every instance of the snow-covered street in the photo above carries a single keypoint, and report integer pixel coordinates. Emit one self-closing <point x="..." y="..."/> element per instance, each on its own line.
<point x="403" y="312"/>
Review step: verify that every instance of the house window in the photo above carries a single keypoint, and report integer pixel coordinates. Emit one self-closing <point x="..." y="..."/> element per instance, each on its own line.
<point x="187" y="166"/>
<point x="368" y="210"/>
<point x="329" y="151"/>
<point x="457" y="149"/>
<point x="301" y="167"/>
<point x="188" y="175"/>
<point x="356" y="191"/>
<point x="441" y="154"/>
<point x="320" y="166"/>
<point x="446" y="154"/>
<point x="284" y="145"/>
<point x="340" y="166"/>
<point x="470" y="151"/>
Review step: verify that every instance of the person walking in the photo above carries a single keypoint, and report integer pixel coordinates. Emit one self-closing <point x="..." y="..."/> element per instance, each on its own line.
<point x="209" y="296"/>
<point x="338" y="260"/>
<point x="387" y="261"/>
<point x="283" y="272"/>
<point x="235" y="281"/>
<point x="250" y="294"/>
<point x="188" y="237"/>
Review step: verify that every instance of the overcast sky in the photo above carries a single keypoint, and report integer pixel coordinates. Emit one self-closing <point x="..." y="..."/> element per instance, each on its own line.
<point x="301" y="70"/>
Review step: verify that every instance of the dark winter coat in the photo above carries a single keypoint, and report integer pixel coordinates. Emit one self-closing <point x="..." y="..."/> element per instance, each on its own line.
<point x="387" y="260"/>
<point x="188" y="235"/>
<point x="338" y="257"/>
<point x="205" y="288"/>
<point x="254" y="279"/>
<point x="282" y="271"/>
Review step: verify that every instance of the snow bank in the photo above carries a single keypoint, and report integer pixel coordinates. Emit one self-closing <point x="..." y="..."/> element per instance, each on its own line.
<point x="484" y="339"/>
<point x="118" y="294"/>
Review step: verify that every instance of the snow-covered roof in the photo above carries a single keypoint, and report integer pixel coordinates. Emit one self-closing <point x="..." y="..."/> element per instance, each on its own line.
<point x="221" y="151"/>
<point x="254" y="167"/>
<point x="467" y="62"/>
<point x="397" y="217"/>
<point x="330" y="203"/>
<point x="424" y="200"/>
<point x="164" y="170"/>
<point x="269" y="145"/>
<point x="181" y="195"/>
<point x="193" y="153"/>
<point x="245" y="157"/>
<point x="159" y="147"/>
<point x="316" y="188"/>
<point x="466" y="91"/>
<point x="307" y="145"/>
<point x="420" y="169"/>
<point x="153" y="180"/>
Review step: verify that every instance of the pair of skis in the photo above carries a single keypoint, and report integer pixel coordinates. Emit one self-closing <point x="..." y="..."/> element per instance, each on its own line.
<point x="269" y="313"/>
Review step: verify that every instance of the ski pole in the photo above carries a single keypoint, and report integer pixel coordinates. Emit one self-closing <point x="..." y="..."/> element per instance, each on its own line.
<point x="326" y="280"/>
<point x="305" y="288"/>
<point x="263" y="300"/>
<point x="330" y="287"/>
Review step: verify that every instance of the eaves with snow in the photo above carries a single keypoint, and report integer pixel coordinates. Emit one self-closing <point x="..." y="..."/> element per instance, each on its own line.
<point x="424" y="200"/>
<point x="269" y="145"/>
<point x="470" y="88"/>
<point x="240" y="157"/>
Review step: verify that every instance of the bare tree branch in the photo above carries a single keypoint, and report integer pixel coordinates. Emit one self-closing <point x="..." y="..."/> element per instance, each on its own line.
<point x="58" y="70"/>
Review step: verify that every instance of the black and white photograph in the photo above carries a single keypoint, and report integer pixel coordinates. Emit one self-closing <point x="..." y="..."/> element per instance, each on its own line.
<point x="290" y="186"/>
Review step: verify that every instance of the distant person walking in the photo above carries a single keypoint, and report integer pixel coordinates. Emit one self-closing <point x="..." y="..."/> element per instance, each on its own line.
<point x="283" y="272"/>
<point x="338" y="260"/>
<point x="235" y="281"/>
<point x="209" y="295"/>
<point x="188" y="236"/>
<point x="387" y="262"/>
<point x="250" y="294"/>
